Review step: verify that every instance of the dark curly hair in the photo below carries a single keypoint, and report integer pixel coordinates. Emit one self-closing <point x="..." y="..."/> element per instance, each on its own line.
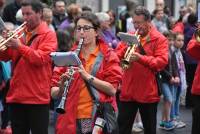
<point x="140" y="10"/>
<point x="35" y="4"/>
<point x="89" y="16"/>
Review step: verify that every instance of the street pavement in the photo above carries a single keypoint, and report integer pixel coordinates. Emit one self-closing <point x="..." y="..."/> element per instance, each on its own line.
<point x="186" y="116"/>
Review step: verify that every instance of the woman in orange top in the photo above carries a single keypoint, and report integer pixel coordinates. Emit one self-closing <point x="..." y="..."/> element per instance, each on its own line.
<point x="79" y="103"/>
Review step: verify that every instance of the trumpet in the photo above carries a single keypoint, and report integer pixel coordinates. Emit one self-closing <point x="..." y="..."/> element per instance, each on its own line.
<point x="197" y="35"/>
<point x="17" y="33"/>
<point x="125" y="63"/>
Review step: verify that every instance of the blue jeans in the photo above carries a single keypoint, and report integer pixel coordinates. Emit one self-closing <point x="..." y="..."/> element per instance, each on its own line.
<point x="175" y="106"/>
<point x="168" y="91"/>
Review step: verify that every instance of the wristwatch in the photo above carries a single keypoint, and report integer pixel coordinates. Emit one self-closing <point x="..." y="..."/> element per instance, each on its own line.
<point x="90" y="80"/>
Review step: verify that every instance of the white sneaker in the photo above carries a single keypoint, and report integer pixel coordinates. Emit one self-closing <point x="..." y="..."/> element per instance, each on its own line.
<point x="182" y="101"/>
<point x="139" y="125"/>
<point x="180" y="124"/>
<point x="136" y="129"/>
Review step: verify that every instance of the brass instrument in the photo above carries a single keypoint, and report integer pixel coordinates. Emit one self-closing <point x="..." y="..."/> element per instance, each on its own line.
<point x="197" y="35"/>
<point x="125" y="63"/>
<point x="17" y="33"/>
<point x="61" y="107"/>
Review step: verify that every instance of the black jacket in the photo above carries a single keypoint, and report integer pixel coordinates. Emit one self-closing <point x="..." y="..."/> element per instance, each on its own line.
<point x="171" y="70"/>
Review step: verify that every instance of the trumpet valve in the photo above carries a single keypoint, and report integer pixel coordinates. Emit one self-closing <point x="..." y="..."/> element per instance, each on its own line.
<point x="9" y="34"/>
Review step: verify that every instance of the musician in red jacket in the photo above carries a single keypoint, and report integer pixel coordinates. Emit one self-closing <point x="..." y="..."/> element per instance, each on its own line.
<point x="193" y="49"/>
<point x="29" y="93"/>
<point x="139" y="88"/>
<point x="80" y="105"/>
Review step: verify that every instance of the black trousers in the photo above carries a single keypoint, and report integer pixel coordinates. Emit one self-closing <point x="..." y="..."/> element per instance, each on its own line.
<point x="29" y="117"/>
<point x="196" y="114"/>
<point x="128" y="111"/>
<point x="5" y="114"/>
<point x="5" y="118"/>
<point x="190" y="71"/>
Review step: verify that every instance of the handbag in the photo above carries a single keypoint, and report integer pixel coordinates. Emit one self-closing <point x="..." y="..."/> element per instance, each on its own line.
<point x="159" y="82"/>
<point x="106" y="111"/>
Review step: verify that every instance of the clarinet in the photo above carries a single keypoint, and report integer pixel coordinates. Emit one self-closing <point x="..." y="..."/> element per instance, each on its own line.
<point x="61" y="107"/>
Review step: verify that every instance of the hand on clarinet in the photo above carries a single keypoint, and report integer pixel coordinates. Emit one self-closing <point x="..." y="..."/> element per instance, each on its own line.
<point x="84" y="74"/>
<point x="63" y="78"/>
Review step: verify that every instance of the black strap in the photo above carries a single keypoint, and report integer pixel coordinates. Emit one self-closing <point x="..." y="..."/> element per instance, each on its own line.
<point x="31" y="39"/>
<point x="142" y="51"/>
<point x="157" y="75"/>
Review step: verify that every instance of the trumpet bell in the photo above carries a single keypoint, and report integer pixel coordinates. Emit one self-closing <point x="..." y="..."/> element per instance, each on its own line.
<point x="125" y="64"/>
<point x="60" y="110"/>
<point x="197" y="35"/>
<point x="17" y="33"/>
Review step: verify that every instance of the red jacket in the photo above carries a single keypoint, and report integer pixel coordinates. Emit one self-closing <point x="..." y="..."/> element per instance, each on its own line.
<point x="193" y="49"/>
<point x="30" y="83"/>
<point x="109" y="71"/>
<point x="138" y="81"/>
<point x="178" y="28"/>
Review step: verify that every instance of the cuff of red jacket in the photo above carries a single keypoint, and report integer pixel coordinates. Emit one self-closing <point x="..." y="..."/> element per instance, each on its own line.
<point x="22" y="48"/>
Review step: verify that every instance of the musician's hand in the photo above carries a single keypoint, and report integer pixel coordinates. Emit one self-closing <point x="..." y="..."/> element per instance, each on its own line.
<point x="13" y="43"/>
<point x="177" y="80"/>
<point x="172" y="80"/>
<point x="135" y="56"/>
<point x="83" y="72"/>
<point x="63" y="79"/>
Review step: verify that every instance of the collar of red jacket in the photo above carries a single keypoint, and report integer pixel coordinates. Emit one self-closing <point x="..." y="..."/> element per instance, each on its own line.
<point x="40" y="29"/>
<point x="154" y="34"/>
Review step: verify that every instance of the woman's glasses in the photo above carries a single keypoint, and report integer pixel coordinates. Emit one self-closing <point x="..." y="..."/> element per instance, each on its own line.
<point x="85" y="28"/>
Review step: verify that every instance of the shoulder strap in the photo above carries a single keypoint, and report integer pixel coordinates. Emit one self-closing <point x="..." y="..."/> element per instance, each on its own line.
<point x="93" y="92"/>
<point x="142" y="51"/>
<point x="31" y="39"/>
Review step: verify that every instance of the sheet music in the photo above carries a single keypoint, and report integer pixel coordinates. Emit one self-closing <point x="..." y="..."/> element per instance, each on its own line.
<point x="128" y="38"/>
<point x="65" y="58"/>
